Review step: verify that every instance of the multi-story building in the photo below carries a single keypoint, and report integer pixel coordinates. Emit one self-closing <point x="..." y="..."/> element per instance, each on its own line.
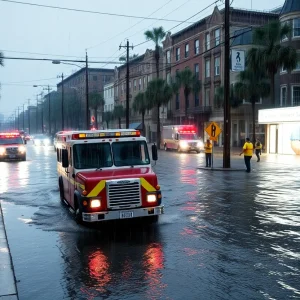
<point x="109" y="98"/>
<point x="200" y="48"/>
<point x="142" y="69"/>
<point x="75" y="88"/>
<point x="283" y="122"/>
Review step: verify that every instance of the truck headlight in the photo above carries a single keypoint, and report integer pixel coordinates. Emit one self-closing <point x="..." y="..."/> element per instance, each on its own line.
<point x="2" y="150"/>
<point x="46" y="142"/>
<point x="183" y="144"/>
<point x="95" y="203"/>
<point x="200" y="145"/>
<point x="151" y="198"/>
<point x="22" y="149"/>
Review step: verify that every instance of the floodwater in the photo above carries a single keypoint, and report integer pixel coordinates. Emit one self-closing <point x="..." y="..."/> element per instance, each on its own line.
<point x="224" y="235"/>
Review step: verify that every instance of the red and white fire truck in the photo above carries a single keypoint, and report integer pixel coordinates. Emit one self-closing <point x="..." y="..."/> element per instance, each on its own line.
<point x="107" y="175"/>
<point x="12" y="146"/>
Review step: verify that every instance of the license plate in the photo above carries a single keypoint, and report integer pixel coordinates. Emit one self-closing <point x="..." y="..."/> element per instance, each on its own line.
<point x="126" y="214"/>
<point x="12" y="156"/>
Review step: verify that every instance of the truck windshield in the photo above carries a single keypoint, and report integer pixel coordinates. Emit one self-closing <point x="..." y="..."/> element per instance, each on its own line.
<point x="93" y="155"/>
<point x="130" y="153"/>
<point x="188" y="136"/>
<point x="15" y="140"/>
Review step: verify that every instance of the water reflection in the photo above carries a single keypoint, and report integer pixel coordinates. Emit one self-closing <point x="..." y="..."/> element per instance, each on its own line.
<point x="128" y="261"/>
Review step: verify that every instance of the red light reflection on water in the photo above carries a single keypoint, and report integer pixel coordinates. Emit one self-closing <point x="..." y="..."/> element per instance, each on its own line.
<point x="188" y="176"/>
<point x="153" y="262"/>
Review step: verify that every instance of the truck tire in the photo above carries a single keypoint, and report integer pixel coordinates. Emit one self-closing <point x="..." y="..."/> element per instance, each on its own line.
<point x="61" y="189"/>
<point x="151" y="220"/>
<point x="78" y="212"/>
<point x="24" y="158"/>
<point x="178" y="149"/>
<point x="165" y="147"/>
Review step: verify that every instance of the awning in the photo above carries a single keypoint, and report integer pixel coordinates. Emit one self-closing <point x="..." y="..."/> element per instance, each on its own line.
<point x="137" y="126"/>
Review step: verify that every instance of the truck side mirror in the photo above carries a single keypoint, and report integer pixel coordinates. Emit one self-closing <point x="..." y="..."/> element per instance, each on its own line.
<point x="64" y="158"/>
<point x="154" y="152"/>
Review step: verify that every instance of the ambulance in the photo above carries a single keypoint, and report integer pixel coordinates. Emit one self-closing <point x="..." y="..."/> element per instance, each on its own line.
<point x="107" y="175"/>
<point x="182" y="138"/>
<point x="12" y="146"/>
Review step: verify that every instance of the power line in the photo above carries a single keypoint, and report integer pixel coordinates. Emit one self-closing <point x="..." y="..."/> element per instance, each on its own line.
<point x="90" y="11"/>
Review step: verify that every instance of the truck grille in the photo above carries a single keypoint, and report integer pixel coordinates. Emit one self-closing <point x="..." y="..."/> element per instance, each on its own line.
<point x="12" y="150"/>
<point x="193" y="144"/>
<point x="122" y="194"/>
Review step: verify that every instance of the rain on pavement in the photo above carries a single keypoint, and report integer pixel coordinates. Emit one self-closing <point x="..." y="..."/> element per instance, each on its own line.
<point x="224" y="235"/>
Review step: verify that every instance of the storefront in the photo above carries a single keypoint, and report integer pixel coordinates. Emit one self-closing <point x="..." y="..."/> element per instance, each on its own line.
<point x="282" y="129"/>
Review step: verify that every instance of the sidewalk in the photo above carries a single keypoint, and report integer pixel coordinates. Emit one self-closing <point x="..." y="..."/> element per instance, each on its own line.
<point x="8" y="288"/>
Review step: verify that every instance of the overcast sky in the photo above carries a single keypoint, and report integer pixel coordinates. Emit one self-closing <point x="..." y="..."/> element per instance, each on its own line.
<point x="28" y="31"/>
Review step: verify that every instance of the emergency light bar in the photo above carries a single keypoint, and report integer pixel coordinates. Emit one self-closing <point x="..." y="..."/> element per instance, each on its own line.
<point x="9" y="134"/>
<point x="96" y="135"/>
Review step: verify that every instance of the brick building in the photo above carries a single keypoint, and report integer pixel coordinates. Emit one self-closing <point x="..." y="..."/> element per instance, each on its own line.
<point x="142" y="69"/>
<point x="200" y="48"/>
<point x="75" y="87"/>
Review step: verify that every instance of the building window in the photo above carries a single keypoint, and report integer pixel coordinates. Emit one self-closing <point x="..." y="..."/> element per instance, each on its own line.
<point x="168" y="78"/>
<point x="296" y="27"/>
<point x="284" y="37"/>
<point x="296" y="95"/>
<point x="207" y="68"/>
<point x="197" y="71"/>
<point x="177" y="54"/>
<point x="283" y="96"/>
<point x="134" y="84"/>
<point x="148" y="79"/>
<point x="144" y="82"/>
<point x="207" y="41"/>
<point x="197" y="47"/>
<point x="140" y="84"/>
<point x="168" y="56"/>
<point x="95" y="78"/>
<point x="217" y="66"/>
<point x="186" y="53"/>
<point x="283" y="69"/>
<point x="177" y="101"/>
<point x="298" y="64"/>
<point x="217" y="37"/>
<point x="207" y="97"/>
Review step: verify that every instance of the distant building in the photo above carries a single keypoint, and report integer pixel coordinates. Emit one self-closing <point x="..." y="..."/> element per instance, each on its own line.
<point x="109" y="99"/>
<point x="75" y="86"/>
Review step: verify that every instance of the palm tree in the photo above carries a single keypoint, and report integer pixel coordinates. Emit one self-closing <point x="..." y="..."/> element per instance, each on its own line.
<point x="107" y="117"/>
<point x="119" y="112"/>
<point x="252" y="86"/>
<point x="189" y="82"/>
<point x="96" y="100"/>
<point x="219" y="97"/>
<point x="156" y="35"/>
<point x="140" y="105"/>
<point x="158" y="93"/>
<point x="269" y="53"/>
<point x="1" y="62"/>
<point x="124" y="58"/>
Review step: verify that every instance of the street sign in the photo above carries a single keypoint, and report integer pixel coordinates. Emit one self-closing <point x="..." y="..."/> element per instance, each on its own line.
<point x="237" y="60"/>
<point x="213" y="131"/>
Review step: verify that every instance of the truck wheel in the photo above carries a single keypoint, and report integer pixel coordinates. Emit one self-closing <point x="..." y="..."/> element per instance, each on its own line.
<point x="61" y="189"/>
<point x="24" y="158"/>
<point x="165" y="147"/>
<point x="151" y="220"/>
<point x="198" y="151"/>
<point x="178" y="149"/>
<point x="78" y="213"/>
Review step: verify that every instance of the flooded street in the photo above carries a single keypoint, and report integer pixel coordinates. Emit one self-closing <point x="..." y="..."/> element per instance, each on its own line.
<point x="224" y="234"/>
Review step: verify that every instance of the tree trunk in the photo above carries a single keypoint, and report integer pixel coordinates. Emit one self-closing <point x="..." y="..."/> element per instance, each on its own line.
<point x="158" y="129"/>
<point x="143" y="123"/>
<point x="96" y="121"/>
<point x="119" y="123"/>
<point x="272" y="94"/>
<point x="186" y="96"/>
<point x="157" y="60"/>
<point x="253" y="119"/>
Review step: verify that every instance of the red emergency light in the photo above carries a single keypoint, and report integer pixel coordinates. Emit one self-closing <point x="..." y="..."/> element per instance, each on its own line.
<point x="188" y="129"/>
<point x="9" y="134"/>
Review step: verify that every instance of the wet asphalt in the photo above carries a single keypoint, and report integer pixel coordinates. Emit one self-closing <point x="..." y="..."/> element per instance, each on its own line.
<point x="224" y="235"/>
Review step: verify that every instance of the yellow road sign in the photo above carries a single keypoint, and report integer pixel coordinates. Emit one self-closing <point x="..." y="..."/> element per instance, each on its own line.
<point x="213" y="130"/>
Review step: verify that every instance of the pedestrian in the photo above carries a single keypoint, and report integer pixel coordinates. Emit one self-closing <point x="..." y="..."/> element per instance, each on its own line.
<point x="248" y="151"/>
<point x="208" y="152"/>
<point x="258" y="148"/>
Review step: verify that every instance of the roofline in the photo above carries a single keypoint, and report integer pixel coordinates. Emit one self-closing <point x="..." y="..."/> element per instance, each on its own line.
<point x="83" y="70"/>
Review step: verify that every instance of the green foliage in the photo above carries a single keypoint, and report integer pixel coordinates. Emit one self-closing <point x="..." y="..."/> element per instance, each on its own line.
<point x="107" y="117"/>
<point x="219" y="98"/>
<point x="189" y="82"/>
<point x="118" y="113"/>
<point x="1" y="59"/>
<point x="141" y="105"/>
<point x="95" y="100"/>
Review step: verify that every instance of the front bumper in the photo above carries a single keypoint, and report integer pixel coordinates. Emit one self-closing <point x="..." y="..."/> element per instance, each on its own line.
<point x="17" y="156"/>
<point x="115" y="214"/>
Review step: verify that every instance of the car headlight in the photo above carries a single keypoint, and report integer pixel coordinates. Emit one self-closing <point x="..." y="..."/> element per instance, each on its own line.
<point x="95" y="203"/>
<point x="2" y="150"/>
<point x="22" y="149"/>
<point x="151" y="198"/>
<point x="46" y="141"/>
<point x="183" y="144"/>
<point x="200" y="145"/>
<point x="37" y="142"/>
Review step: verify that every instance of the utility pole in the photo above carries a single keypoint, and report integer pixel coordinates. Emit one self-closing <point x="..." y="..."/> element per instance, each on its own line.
<point x="18" y="117"/>
<point x="28" y="110"/>
<point x="23" y="118"/>
<point x="227" y="117"/>
<point x="49" y="114"/>
<point x="62" y="100"/>
<point x="37" y="102"/>
<point x="87" y="92"/>
<point x="127" y="81"/>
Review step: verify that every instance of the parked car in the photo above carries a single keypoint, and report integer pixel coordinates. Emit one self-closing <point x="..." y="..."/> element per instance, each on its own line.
<point x="41" y="140"/>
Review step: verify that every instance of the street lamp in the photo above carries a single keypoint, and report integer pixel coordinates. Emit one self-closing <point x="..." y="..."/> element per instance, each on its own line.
<point x="57" y="62"/>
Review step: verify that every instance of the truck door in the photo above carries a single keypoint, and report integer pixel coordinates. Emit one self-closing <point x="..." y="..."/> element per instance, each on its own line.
<point x="71" y="177"/>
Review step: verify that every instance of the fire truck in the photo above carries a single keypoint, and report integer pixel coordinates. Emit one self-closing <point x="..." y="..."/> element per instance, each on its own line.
<point x="107" y="175"/>
<point x="12" y="146"/>
<point x="181" y="138"/>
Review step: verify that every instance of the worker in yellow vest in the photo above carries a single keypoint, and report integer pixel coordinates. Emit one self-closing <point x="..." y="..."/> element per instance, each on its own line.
<point x="208" y="151"/>
<point x="248" y="152"/>
<point x="258" y="148"/>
